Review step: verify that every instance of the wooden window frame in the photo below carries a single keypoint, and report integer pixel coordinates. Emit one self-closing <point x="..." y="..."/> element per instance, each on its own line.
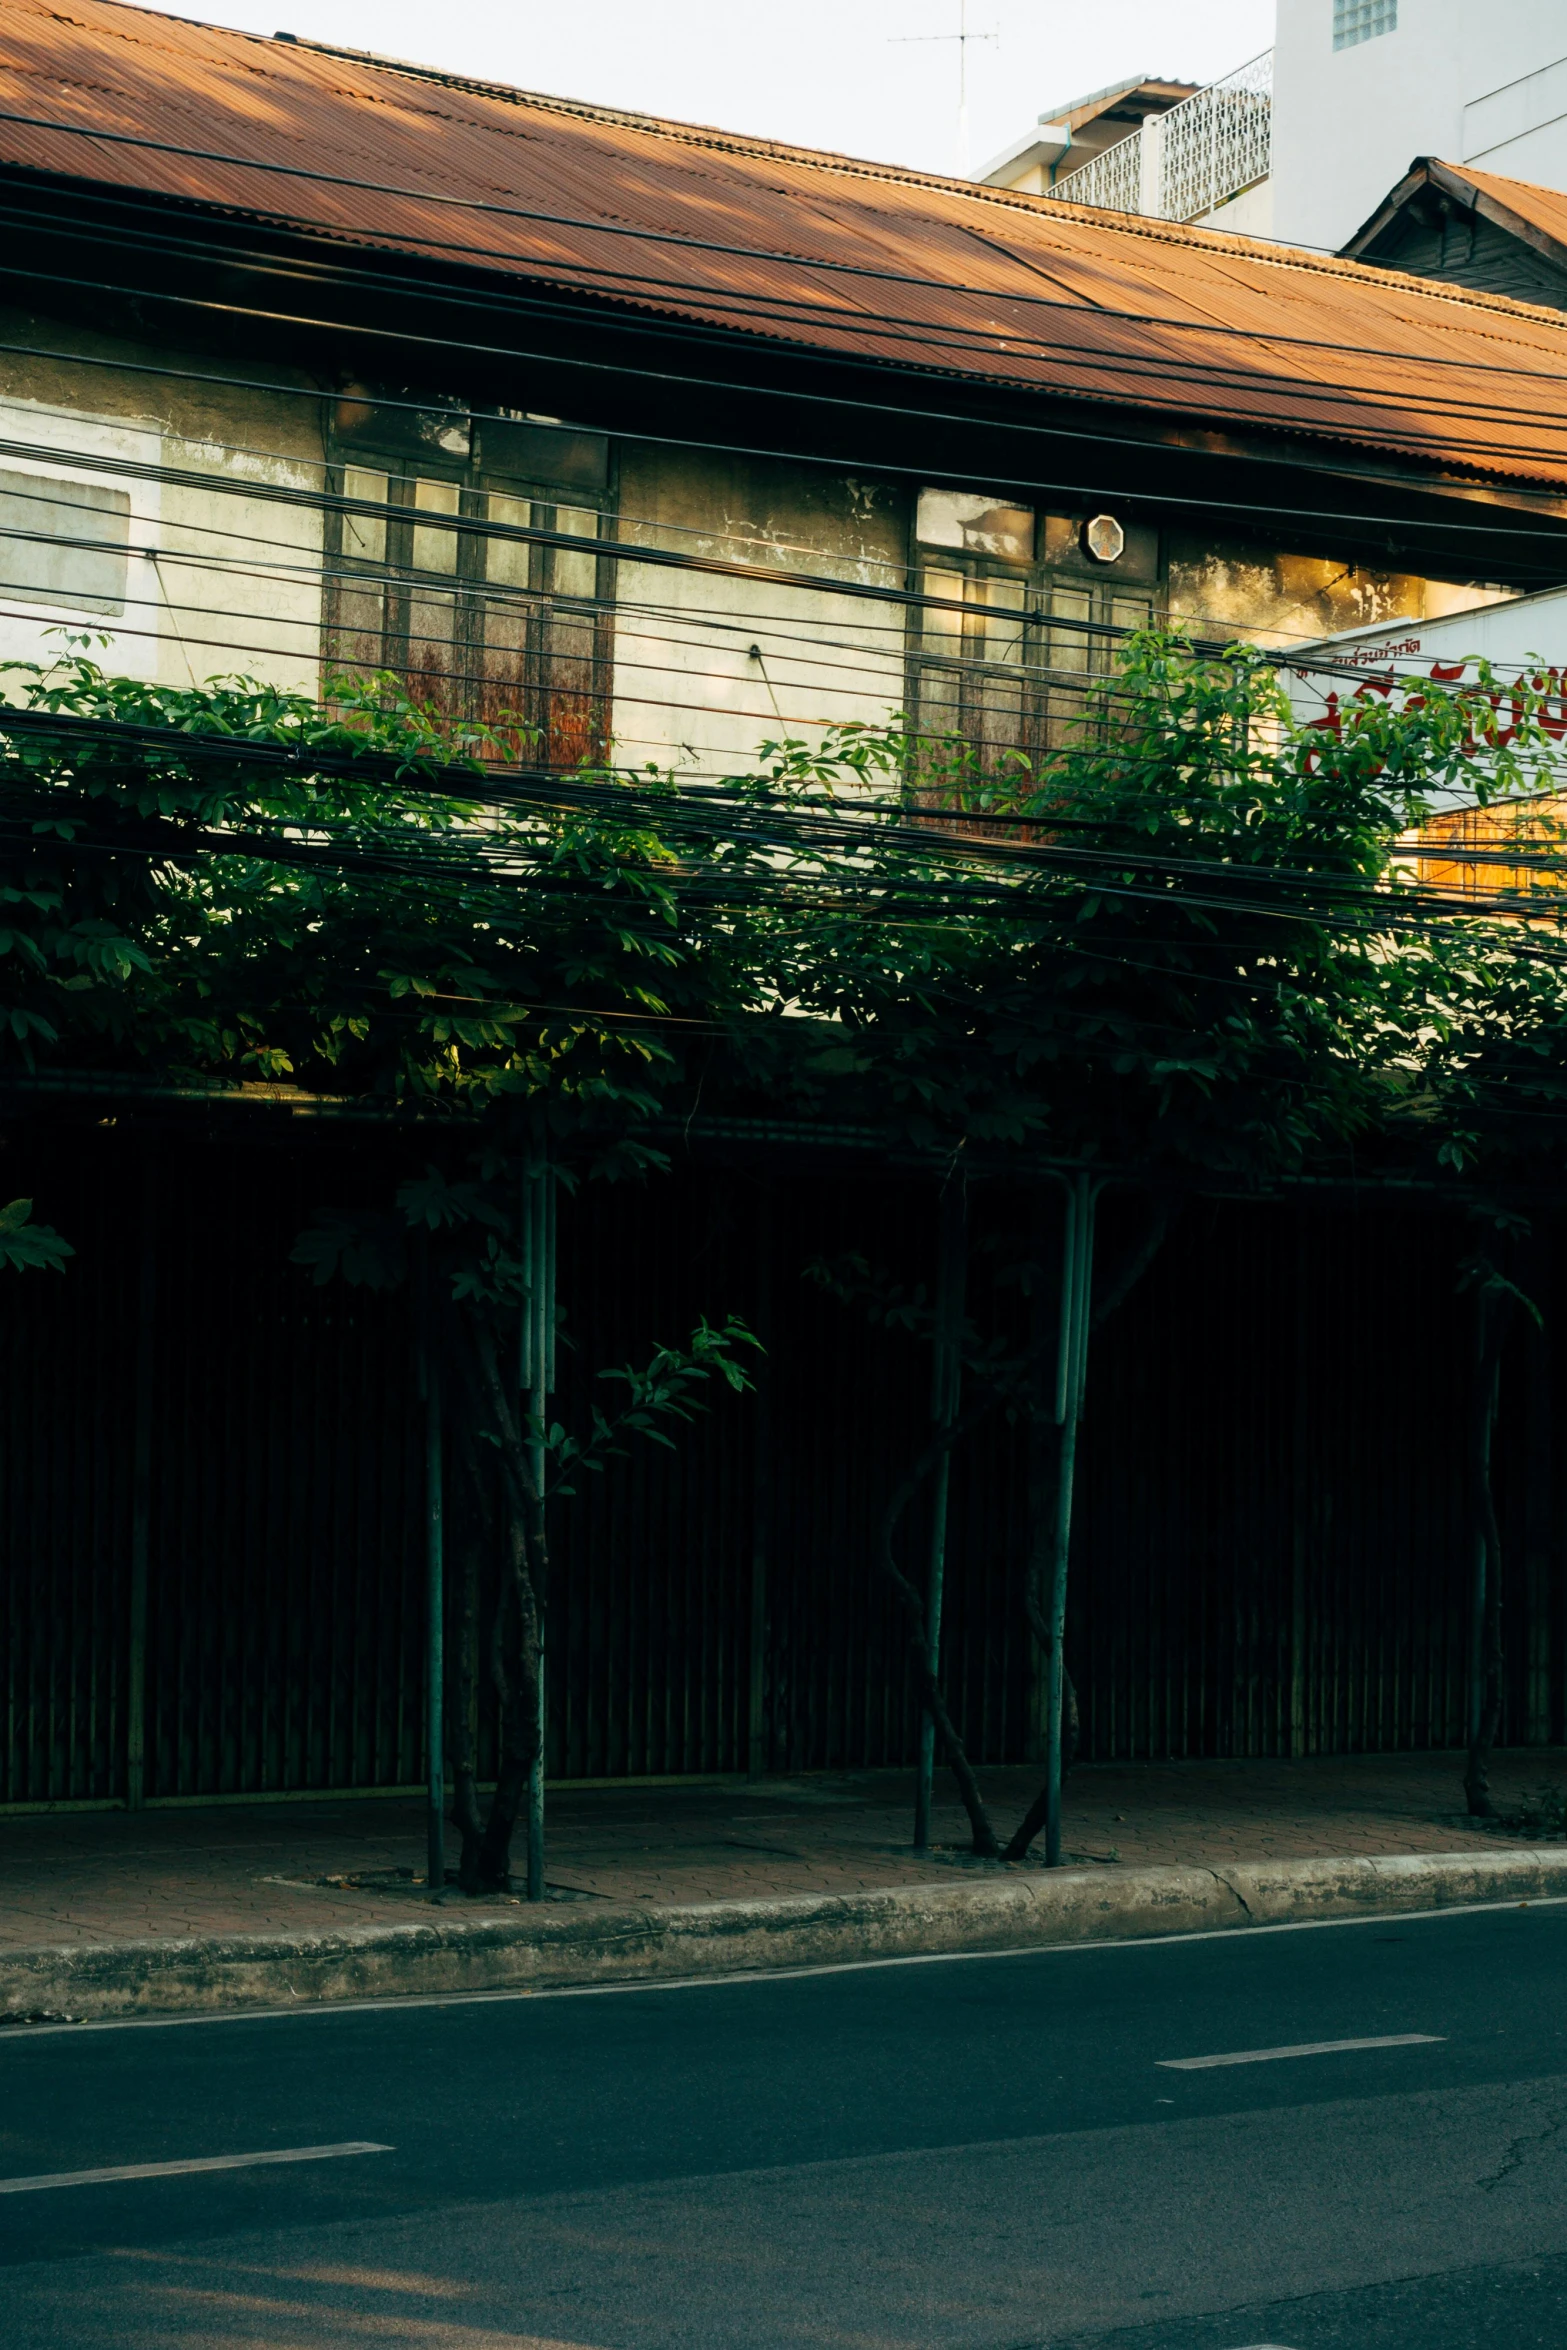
<point x="534" y="661"/>
<point x="979" y="687"/>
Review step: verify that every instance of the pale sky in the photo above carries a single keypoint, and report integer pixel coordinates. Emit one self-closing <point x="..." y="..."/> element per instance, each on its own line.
<point x="856" y="75"/>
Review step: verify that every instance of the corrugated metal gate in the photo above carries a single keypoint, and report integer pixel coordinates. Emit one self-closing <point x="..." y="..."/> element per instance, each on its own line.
<point x="1270" y="1555"/>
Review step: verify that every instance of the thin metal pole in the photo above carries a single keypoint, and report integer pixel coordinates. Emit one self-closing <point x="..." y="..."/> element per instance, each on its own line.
<point x="1539" y="1514"/>
<point x="1077" y="1265"/>
<point x="1300" y="1504"/>
<point x="435" y="1630"/>
<point x="537" y="1381"/>
<point x="756" y="1742"/>
<point x="1068" y="1326"/>
<point x="1477" y="1588"/>
<point x="946" y="1381"/>
<point x="1476" y="1647"/>
<point x="142" y="1407"/>
<point x="924" y="1787"/>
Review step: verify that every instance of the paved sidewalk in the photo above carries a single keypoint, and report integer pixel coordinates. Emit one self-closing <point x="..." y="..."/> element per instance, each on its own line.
<point x="101" y="1877"/>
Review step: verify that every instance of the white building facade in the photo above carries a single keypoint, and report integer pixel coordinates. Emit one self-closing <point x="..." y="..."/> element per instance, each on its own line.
<point x="1303" y="142"/>
<point x="1363" y="86"/>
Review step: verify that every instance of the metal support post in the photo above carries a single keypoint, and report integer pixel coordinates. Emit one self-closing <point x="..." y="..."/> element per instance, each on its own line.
<point x="946" y="1387"/>
<point x="756" y="1743"/>
<point x="435" y="1625"/>
<point x="1477" y="1599"/>
<point x="1295" y="1726"/>
<point x="143" y="1406"/>
<point x="1480" y="1466"/>
<point x="1539" y="1512"/>
<point x="536" y="1378"/>
<point x="1077" y="1274"/>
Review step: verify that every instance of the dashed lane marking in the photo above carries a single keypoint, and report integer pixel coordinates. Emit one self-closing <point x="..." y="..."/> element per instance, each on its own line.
<point x="199" y="2162"/>
<point x="1199" y="2064"/>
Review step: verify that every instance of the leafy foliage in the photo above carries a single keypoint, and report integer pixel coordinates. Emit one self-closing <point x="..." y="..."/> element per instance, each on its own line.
<point x="667" y="1389"/>
<point x="1184" y="945"/>
<point x="473" y="1262"/>
<point x="1186" y="939"/>
<point x="463" y="1244"/>
<point x="1203" y="950"/>
<point x="232" y="881"/>
<point x="29" y="1247"/>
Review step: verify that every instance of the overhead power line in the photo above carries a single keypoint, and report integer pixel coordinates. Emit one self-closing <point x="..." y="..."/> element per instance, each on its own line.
<point x="1076" y="492"/>
<point x="394" y="401"/>
<point x="645" y="318"/>
<point x="483" y="529"/>
<point x="1128" y="869"/>
<point x="879" y="274"/>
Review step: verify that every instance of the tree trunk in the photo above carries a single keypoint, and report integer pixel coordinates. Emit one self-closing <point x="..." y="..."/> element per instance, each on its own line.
<point x="1045" y="1440"/>
<point x="1043" y="1464"/>
<point x="516" y="1647"/>
<point x="1034" y="1818"/>
<point x="1044" y="1471"/>
<point x="520" y="1714"/>
<point x="955" y="1755"/>
<point x="1042" y="1438"/>
<point x="1493" y="1312"/>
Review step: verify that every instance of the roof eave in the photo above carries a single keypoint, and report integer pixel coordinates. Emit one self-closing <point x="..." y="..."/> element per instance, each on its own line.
<point x="1218" y="433"/>
<point x="1430" y="171"/>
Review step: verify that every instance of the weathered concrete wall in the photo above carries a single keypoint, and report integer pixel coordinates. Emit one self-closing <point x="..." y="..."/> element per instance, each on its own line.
<point x="690" y="691"/>
<point x="1273" y="597"/>
<point x="213" y="580"/>
<point x="214" y="575"/>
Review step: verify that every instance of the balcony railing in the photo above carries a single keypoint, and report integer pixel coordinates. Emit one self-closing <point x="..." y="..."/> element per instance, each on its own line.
<point x="1187" y="162"/>
<point x="1114" y="179"/>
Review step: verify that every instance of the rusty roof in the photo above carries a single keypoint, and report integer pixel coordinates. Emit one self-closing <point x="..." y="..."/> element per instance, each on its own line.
<point x="1544" y="209"/>
<point x="1538" y="215"/>
<point x="864" y="261"/>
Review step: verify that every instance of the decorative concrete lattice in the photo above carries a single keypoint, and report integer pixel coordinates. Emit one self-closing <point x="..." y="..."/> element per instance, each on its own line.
<point x="1218" y="143"/>
<point x="1113" y="180"/>
<point x="1204" y="151"/>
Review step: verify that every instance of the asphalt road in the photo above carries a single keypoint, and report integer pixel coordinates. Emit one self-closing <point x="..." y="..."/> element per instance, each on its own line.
<point x="954" y="2153"/>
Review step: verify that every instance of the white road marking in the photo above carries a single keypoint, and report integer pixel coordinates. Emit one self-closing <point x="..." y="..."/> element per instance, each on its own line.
<point x="170" y="2170"/>
<point x="18" y="2033"/>
<point x="1200" y="2064"/>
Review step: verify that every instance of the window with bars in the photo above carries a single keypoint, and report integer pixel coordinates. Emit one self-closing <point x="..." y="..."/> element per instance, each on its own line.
<point x="1016" y="622"/>
<point x="1362" y="20"/>
<point x="479" y="584"/>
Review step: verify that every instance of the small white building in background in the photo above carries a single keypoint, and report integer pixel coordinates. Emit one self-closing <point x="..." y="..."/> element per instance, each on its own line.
<point x="1462" y="846"/>
<point x="1520" y="636"/>
<point x="1361" y="86"/>
<point x="1303" y="143"/>
<point x="1169" y="150"/>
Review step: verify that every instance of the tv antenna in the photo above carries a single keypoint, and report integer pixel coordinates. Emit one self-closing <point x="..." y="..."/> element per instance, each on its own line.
<point x="962" y="37"/>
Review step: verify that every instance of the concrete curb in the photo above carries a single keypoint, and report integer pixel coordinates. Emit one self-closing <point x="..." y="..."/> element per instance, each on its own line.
<point x="627" y="1945"/>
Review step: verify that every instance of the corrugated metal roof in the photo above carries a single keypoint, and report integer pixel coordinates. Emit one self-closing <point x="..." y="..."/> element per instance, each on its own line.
<point x="857" y="259"/>
<point x="1544" y="209"/>
<point x="1160" y="92"/>
<point x="1538" y="215"/>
